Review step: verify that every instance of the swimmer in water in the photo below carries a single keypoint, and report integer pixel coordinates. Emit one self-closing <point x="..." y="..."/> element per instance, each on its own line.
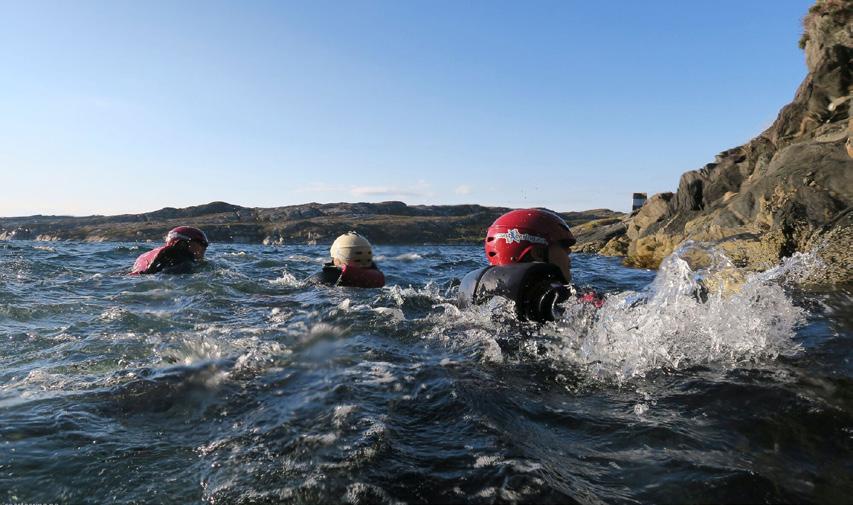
<point x="528" y="250"/>
<point x="351" y="264"/>
<point x="184" y="247"/>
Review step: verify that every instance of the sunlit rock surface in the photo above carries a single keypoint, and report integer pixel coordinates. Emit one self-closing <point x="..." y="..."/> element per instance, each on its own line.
<point x="790" y="189"/>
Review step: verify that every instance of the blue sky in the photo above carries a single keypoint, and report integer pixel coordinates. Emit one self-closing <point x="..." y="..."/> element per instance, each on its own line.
<point x="119" y="106"/>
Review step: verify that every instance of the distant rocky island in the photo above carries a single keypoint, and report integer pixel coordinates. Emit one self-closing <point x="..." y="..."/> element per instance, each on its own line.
<point x="384" y="223"/>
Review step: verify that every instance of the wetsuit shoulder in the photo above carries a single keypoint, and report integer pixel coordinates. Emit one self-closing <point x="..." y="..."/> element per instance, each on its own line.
<point x="147" y="263"/>
<point x="469" y="292"/>
<point x="535" y="288"/>
<point x="164" y="259"/>
<point x="329" y="275"/>
<point x="177" y="261"/>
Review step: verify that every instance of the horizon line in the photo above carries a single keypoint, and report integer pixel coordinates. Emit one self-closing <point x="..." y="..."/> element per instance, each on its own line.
<point x="214" y="202"/>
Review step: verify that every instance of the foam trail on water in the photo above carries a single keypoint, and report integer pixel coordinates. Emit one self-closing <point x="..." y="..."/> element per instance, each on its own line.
<point x="401" y="257"/>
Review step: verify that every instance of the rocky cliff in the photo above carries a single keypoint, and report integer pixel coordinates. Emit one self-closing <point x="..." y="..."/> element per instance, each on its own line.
<point x="383" y="223"/>
<point x="789" y="189"/>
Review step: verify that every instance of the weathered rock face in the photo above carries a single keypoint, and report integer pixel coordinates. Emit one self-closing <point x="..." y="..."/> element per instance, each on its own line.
<point x="788" y="189"/>
<point x="596" y="234"/>
<point x="650" y="214"/>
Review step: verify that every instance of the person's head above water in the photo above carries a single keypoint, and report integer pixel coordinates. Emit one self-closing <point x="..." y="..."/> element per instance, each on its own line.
<point x="530" y="235"/>
<point x="353" y="250"/>
<point x="184" y="246"/>
<point x="192" y="238"/>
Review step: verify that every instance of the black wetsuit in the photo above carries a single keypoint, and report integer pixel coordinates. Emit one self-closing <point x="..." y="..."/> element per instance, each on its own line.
<point x="329" y="275"/>
<point x="179" y="262"/>
<point x="171" y="260"/>
<point x="536" y="288"/>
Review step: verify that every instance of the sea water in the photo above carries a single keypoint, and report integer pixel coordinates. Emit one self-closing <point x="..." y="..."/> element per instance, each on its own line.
<point x="242" y="384"/>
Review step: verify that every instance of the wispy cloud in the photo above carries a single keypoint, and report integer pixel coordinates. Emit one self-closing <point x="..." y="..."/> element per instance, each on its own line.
<point x="463" y="190"/>
<point x="386" y="191"/>
<point x="419" y="190"/>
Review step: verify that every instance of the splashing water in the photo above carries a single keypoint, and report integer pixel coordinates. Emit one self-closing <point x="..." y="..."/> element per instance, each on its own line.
<point x="698" y="309"/>
<point x="287" y="279"/>
<point x="691" y="316"/>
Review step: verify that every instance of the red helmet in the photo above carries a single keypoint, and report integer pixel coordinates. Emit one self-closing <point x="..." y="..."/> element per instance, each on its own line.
<point x="517" y="232"/>
<point x="187" y="233"/>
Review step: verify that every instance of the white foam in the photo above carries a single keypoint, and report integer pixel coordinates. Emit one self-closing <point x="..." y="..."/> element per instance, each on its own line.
<point x="380" y="373"/>
<point x="342" y="414"/>
<point x="400" y="295"/>
<point x="112" y="314"/>
<point x="321" y="330"/>
<point x="670" y="326"/>
<point x="287" y="279"/>
<point x="188" y="351"/>
<point x="484" y="461"/>
<point x="322" y="439"/>
<point x="359" y="493"/>
<point x="308" y="259"/>
<point x="401" y="257"/>
<point x="279" y="316"/>
<point x="395" y="314"/>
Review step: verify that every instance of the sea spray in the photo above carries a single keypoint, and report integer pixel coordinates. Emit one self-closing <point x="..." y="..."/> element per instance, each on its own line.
<point x="698" y="309"/>
<point x="687" y="316"/>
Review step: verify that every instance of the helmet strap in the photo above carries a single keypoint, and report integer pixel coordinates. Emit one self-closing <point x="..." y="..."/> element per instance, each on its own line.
<point x="533" y="253"/>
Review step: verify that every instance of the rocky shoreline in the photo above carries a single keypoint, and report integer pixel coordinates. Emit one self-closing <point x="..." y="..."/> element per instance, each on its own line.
<point x="788" y="190"/>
